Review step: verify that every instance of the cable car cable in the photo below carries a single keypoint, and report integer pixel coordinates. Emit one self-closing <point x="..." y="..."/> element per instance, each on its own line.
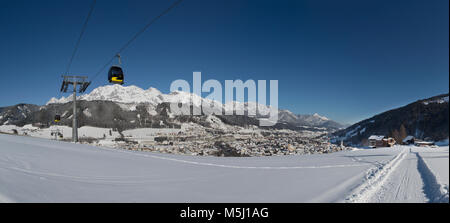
<point x="83" y="29"/>
<point x="137" y="35"/>
<point x="77" y="44"/>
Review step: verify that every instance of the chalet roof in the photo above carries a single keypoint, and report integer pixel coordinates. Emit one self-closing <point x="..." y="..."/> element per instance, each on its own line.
<point x="408" y="138"/>
<point x="376" y="137"/>
<point x="424" y="143"/>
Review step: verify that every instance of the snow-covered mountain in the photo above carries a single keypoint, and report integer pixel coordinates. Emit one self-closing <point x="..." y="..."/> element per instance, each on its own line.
<point x="13" y="114"/>
<point x="130" y="96"/>
<point x="306" y="120"/>
<point x="128" y="106"/>
<point x="118" y="93"/>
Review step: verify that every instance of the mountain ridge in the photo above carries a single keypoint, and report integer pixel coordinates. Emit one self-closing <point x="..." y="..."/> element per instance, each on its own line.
<point x="131" y="98"/>
<point x="424" y="119"/>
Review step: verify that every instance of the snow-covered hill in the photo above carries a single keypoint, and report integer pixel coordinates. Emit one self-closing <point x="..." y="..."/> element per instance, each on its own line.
<point x="40" y="170"/>
<point x="427" y="118"/>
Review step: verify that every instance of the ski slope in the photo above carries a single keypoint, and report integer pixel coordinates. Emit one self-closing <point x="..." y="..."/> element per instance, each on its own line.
<point x="42" y="170"/>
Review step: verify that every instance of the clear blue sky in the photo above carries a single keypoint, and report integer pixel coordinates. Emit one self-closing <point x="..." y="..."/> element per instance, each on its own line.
<point x="347" y="60"/>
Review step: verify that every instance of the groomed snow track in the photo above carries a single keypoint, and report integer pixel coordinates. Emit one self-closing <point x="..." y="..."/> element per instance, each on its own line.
<point x="405" y="178"/>
<point x="374" y="180"/>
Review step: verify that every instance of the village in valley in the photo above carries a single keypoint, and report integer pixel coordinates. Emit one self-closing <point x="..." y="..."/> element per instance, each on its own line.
<point x="225" y="140"/>
<point x="241" y="142"/>
<point x="236" y="143"/>
<point x="193" y="139"/>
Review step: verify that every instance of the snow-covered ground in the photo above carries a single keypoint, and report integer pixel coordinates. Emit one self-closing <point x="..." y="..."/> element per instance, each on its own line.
<point x="85" y="131"/>
<point x="42" y="170"/>
<point x="141" y="134"/>
<point x="416" y="174"/>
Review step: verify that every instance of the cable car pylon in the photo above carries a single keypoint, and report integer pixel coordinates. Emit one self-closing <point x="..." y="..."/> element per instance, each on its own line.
<point x="82" y="84"/>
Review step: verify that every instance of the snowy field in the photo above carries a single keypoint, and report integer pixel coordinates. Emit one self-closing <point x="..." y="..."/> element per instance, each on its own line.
<point x="42" y="170"/>
<point x="103" y="134"/>
<point x="95" y="132"/>
<point x="84" y="131"/>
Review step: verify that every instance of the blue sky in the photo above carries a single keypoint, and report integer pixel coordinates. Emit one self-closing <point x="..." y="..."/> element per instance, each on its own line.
<point x="347" y="60"/>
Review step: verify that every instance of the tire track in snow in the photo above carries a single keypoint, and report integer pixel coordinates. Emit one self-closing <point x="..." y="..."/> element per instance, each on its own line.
<point x="375" y="179"/>
<point x="404" y="185"/>
<point x="405" y="181"/>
